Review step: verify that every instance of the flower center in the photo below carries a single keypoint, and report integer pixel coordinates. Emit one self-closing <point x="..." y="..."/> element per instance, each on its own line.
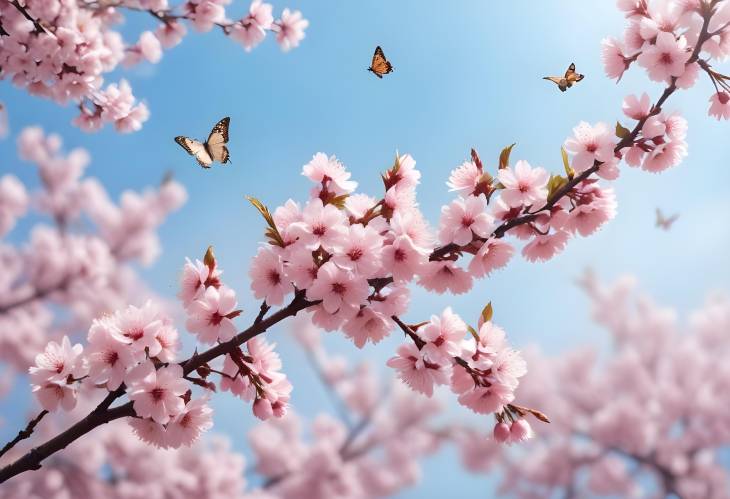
<point x="666" y="58"/>
<point x="319" y="230"/>
<point x="467" y="221"/>
<point x="399" y="255"/>
<point x="111" y="358"/>
<point x="591" y="148"/>
<point x="157" y="394"/>
<point x="523" y="187"/>
<point x="215" y="319"/>
<point x="135" y="333"/>
<point x="355" y="254"/>
<point x="338" y="288"/>
<point x="274" y="277"/>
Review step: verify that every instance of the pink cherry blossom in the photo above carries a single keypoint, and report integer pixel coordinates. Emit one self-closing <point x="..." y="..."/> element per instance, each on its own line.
<point x="543" y="248"/>
<point x="210" y="316"/>
<point x="464" y="218"/>
<point x="637" y="107"/>
<point x="442" y="276"/>
<point x="58" y="363"/>
<point x="157" y="394"/>
<point x="367" y="325"/>
<point x="291" y="29"/>
<point x="443" y="335"/>
<point x="186" y="428"/>
<point x="664" y="156"/>
<point x="615" y="61"/>
<point x="196" y="276"/>
<point x="590" y="144"/>
<point x="501" y="432"/>
<point x="339" y="289"/>
<point x="359" y="250"/>
<point x="14" y="202"/>
<point x="320" y="226"/>
<point x="720" y="106"/>
<point x="493" y="254"/>
<point x="666" y="58"/>
<point x="322" y="169"/>
<point x="268" y="277"/>
<point x="519" y="431"/>
<point x="523" y="186"/>
<point x="109" y="358"/>
<point x="416" y="371"/>
<point x="464" y="178"/>
<point x="404" y="258"/>
<point x="138" y="327"/>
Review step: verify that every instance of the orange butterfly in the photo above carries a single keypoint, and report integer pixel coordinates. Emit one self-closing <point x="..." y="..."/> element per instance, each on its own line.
<point x="566" y="81"/>
<point x="380" y="65"/>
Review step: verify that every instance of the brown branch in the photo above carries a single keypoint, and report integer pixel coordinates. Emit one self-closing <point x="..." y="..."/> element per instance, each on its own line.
<point x="103" y="413"/>
<point x="39" y="28"/>
<point x="25" y="433"/>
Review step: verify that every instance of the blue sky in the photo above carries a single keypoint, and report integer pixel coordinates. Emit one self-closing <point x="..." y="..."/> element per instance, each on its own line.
<point x="468" y="74"/>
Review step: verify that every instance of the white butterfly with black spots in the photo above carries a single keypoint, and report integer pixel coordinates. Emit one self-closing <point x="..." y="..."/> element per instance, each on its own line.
<point x="213" y="149"/>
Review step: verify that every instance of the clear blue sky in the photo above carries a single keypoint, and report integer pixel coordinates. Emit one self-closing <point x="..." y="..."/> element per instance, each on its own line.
<point x="468" y="74"/>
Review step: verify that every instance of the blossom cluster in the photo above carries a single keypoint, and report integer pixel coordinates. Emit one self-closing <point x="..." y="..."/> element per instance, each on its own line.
<point x="645" y="419"/>
<point x="80" y="249"/>
<point x="674" y="41"/>
<point x="61" y="50"/>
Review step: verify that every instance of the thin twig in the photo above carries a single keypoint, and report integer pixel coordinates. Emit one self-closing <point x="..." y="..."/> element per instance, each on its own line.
<point x="25" y="433"/>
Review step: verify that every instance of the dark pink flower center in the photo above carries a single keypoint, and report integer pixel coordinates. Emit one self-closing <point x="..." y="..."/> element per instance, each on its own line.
<point x="111" y="358"/>
<point x="355" y="254"/>
<point x="135" y="333"/>
<point x="467" y="221"/>
<point x="338" y="288"/>
<point x="215" y="319"/>
<point x="666" y="58"/>
<point x="523" y="187"/>
<point x="439" y="341"/>
<point x="592" y="148"/>
<point x="723" y="98"/>
<point x="399" y="255"/>
<point x="274" y="277"/>
<point x="319" y="230"/>
<point x="157" y="394"/>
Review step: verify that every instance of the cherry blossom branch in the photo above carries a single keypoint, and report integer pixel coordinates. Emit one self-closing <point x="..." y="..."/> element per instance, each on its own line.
<point x="25" y="433"/>
<point x="103" y="413"/>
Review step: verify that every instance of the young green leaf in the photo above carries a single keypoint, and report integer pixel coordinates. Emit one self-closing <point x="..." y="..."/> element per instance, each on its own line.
<point x="566" y="164"/>
<point x="621" y="131"/>
<point x="487" y="313"/>
<point x="271" y="232"/>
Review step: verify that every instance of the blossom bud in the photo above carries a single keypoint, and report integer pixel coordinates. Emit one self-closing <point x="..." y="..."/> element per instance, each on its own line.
<point x="262" y="409"/>
<point x="520" y="431"/>
<point x="501" y="432"/>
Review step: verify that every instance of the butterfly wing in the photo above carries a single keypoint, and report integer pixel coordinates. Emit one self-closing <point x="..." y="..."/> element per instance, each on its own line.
<point x="562" y="83"/>
<point x="197" y="149"/>
<point x="571" y="76"/>
<point x="217" y="140"/>
<point x="380" y="65"/>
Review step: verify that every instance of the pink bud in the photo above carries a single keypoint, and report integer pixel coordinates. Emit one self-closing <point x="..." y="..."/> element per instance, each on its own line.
<point x="501" y="432"/>
<point x="262" y="409"/>
<point x="520" y="431"/>
<point x="723" y="97"/>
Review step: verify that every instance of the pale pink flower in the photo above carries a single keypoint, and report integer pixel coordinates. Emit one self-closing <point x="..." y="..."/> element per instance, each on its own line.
<point x="615" y="61"/>
<point x="543" y="248"/>
<point x="637" y="107"/>
<point x="411" y="223"/>
<point x="196" y="276"/>
<point x="664" y="156"/>
<point x="403" y="258"/>
<point x="493" y="254"/>
<point x="251" y="30"/>
<point x="268" y="277"/>
<point x="210" y="316"/>
<point x="138" y="327"/>
<point x="301" y="268"/>
<point x="590" y="144"/>
<point x="58" y="363"/>
<point x="367" y="325"/>
<point x="720" y="106"/>
<point x="169" y="339"/>
<point x="291" y="29"/>
<point x="485" y="400"/>
<point x="689" y="77"/>
<point x="51" y="395"/>
<point x="339" y="289"/>
<point x="263" y="409"/>
<point x="416" y="371"/>
<point x="109" y="358"/>
<point x="157" y="394"/>
<point x="508" y="366"/>
<point x="633" y="155"/>
<point x="666" y="58"/>
<point x="149" y="432"/>
<point x="186" y="428"/>
<point x="170" y="33"/>
<point x="14" y="201"/>
<point x="359" y="250"/>
<point x="654" y="127"/>
<point x="320" y="226"/>
<point x="523" y="186"/>
<point x="676" y="127"/>
<point x="464" y="218"/>
<point x="321" y="169"/>
<point x="443" y="335"/>
<point x="235" y="383"/>
<point x="464" y="178"/>
<point x="442" y="276"/>
<point x="406" y="178"/>
<point x="149" y="47"/>
<point x="394" y="300"/>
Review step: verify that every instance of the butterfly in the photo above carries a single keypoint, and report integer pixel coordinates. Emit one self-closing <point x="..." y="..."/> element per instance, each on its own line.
<point x="380" y="65"/>
<point x="665" y="222"/>
<point x="213" y="149"/>
<point x="566" y="81"/>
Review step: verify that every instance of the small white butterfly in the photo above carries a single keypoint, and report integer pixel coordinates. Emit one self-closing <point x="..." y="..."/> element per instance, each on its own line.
<point x="213" y="149"/>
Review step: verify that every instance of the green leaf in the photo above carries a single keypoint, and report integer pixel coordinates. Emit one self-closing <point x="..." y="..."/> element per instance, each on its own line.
<point x="554" y="184"/>
<point x="339" y="201"/>
<point x="621" y="131"/>
<point x="473" y="333"/>
<point x="487" y="313"/>
<point x="566" y="164"/>
<point x="504" y="157"/>
<point x="271" y="232"/>
<point x="499" y="185"/>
